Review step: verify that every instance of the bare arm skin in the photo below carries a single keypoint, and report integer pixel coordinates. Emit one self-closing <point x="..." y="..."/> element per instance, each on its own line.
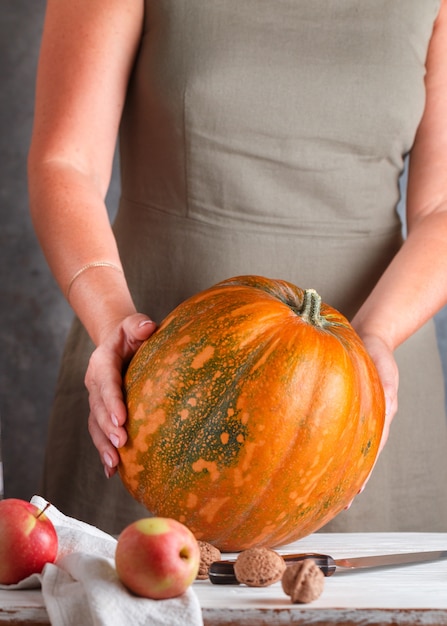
<point x="88" y="48"/>
<point x="414" y="287"/>
<point x="87" y="53"/>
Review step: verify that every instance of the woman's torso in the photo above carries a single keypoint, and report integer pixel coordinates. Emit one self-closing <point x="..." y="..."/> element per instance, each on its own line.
<point x="275" y="128"/>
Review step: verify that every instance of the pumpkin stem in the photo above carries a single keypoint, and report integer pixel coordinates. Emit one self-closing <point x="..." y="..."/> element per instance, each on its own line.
<point x="310" y="309"/>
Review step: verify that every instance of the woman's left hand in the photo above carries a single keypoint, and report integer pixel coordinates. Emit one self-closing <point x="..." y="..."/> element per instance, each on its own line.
<point x="386" y="365"/>
<point x="387" y="369"/>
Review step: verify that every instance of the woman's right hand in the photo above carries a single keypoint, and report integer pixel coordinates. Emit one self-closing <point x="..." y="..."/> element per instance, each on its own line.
<point x="104" y="381"/>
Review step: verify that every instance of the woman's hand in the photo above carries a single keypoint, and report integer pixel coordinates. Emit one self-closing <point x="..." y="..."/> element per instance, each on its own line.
<point x="388" y="372"/>
<point x="104" y="382"/>
<point x="386" y="365"/>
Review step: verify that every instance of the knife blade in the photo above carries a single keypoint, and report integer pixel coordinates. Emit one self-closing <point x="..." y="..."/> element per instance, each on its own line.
<point x="222" y="572"/>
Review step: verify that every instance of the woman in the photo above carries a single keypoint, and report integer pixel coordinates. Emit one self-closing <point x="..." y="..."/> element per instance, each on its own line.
<point x="256" y="137"/>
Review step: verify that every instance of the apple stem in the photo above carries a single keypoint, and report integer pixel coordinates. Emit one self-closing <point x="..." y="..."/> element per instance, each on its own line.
<point x="48" y="504"/>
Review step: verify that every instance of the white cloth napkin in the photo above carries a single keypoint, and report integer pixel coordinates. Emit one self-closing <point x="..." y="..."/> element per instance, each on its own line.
<point x="82" y="586"/>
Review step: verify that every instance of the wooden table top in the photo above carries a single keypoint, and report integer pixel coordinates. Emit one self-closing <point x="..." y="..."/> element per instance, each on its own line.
<point x="403" y="596"/>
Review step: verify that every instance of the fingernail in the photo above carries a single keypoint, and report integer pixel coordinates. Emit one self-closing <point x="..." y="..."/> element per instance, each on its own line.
<point x="108" y="459"/>
<point x="114" y="419"/>
<point x="115" y="440"/>
<point x="107" y="472"/>
<point x="145" y="323"/>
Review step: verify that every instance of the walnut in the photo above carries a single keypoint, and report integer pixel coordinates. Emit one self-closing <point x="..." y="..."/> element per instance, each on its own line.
<point x="208" y="554"/>
<point x="259" y="567"/>
<point x="303" y="581"/>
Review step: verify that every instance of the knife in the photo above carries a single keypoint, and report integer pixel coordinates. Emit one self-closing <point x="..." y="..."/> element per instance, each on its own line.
<point x="222" y="572"/>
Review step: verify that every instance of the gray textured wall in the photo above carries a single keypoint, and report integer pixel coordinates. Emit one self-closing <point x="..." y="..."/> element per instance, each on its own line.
<point x="34" y="317"/>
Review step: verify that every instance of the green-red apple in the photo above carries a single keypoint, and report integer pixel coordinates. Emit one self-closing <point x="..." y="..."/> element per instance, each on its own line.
<point x="157" y="557"/>
<point x="28" y="540"/>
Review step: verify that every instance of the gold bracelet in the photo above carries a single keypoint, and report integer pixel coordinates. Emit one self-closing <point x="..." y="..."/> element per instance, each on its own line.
<point x="86" y="267"/>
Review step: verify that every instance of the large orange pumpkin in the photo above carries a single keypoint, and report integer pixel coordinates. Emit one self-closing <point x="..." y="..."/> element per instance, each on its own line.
<point x="254" y="414"/>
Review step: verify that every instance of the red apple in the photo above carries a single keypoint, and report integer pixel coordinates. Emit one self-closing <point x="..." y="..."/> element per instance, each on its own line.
<point x="157" y="557"/>
<point x="28" y="540"/>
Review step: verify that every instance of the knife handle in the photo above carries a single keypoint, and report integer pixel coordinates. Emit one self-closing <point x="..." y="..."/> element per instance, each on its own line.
<point x="222" y="572"/>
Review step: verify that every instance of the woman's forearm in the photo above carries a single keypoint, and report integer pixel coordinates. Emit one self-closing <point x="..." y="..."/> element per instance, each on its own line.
<point x="80" y="93"/>
<point x="413" y="288"/>
<point x="73" y="227"/>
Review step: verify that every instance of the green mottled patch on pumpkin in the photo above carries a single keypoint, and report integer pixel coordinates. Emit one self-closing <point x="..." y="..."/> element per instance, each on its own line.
<point x="366" y="448"/>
